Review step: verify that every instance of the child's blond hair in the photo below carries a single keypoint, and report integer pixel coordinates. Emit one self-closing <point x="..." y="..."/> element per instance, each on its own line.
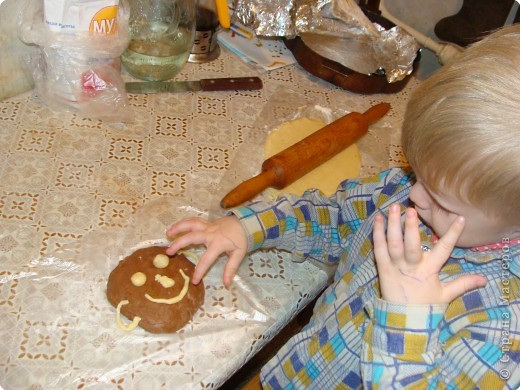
<point x="461" y="128"/>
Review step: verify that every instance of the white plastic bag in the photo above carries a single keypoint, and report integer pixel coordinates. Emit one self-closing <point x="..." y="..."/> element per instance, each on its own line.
<point x="77" y="65"/>
<point x="14" y="79"/>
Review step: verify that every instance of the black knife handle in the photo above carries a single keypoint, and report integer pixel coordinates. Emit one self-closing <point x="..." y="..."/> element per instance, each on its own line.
<point x="231" y="83"/>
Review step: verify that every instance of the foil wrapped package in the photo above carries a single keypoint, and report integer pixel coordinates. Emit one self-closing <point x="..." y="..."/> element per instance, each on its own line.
<point x="335" y="29"/>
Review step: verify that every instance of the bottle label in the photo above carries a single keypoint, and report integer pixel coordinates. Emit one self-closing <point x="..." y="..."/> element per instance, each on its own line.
<point x="97" y="16"/>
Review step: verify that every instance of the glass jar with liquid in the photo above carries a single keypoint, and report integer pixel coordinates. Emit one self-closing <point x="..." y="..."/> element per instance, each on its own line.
<point x="161" y="38"/>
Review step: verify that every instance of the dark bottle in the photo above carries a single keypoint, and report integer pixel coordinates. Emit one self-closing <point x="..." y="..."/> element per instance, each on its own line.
<point x="205" y="47"/>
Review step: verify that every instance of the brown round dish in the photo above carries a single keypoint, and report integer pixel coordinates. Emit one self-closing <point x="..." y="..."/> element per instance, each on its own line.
<point x="344" y="77"/>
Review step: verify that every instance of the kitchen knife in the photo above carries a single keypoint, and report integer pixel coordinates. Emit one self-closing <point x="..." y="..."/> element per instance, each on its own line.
<point x="219" y="84"/>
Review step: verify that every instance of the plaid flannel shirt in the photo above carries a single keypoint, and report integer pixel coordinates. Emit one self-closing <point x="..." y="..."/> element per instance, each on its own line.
<point x="357" y="340"/>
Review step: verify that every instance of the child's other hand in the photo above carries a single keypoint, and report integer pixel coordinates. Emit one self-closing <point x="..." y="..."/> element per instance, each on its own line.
<point x="409" y="275"/>
<point x="225" y="235"/>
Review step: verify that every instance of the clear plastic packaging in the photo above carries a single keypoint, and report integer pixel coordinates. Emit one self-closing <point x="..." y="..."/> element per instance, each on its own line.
<point x="16" y="77"/>
<point x="78" y="69"/>
<point x="59" y="330"/>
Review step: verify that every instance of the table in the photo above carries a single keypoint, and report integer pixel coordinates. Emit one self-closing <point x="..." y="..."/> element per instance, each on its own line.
<point x="76" y="194"/>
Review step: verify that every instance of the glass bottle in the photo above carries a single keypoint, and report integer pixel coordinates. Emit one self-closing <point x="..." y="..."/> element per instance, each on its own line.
<point x="161" y="38"/>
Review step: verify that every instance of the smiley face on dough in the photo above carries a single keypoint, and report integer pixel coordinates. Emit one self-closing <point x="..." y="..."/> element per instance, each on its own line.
<point x="156" y="288"/>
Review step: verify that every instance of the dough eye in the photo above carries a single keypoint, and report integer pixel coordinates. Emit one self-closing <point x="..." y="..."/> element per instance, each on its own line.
<point x="161" y="261"/>
<point x="138" y="279"/>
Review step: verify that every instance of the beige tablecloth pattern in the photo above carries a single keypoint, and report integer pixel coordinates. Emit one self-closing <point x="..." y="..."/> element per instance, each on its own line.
<point x="76" y="194"/>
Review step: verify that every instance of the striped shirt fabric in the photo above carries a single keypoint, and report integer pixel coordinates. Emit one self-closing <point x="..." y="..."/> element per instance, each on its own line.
<point x="357" y="340"/>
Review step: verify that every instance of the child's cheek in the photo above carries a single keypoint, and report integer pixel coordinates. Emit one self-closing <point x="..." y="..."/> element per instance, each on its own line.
<point x="424" y="215"/>
<point x="442" y="222"/>
<point x="419" y="197"/>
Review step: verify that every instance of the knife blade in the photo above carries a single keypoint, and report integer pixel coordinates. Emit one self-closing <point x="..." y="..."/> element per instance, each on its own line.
<point x="218" y="84"/>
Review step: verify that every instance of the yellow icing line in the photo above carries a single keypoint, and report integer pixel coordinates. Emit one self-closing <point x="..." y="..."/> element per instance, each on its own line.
<point x="131" y="326"/>
<point x="176" y="299"/>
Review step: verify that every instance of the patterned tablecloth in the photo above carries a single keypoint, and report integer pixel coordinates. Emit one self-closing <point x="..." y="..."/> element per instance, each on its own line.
<point x="76" y="194"/>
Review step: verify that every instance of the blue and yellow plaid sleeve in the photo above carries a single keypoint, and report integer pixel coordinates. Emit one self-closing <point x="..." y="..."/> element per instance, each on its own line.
<point x="315" y="225"/>
<point x="405" y="333"/>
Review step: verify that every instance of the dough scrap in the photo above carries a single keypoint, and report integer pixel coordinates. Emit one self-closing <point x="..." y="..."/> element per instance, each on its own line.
<point x="327" y="176"/>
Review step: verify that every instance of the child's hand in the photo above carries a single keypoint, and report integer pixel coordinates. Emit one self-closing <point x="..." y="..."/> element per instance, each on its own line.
<point x="409" y="275"/>
<point x="225" y="235"/>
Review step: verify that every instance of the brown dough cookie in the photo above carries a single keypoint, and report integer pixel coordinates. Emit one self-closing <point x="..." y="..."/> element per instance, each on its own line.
<point x="155" y="317"/>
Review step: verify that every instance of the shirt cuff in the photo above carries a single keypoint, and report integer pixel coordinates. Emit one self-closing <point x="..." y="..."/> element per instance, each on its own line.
<point x="405" y="329"/>
<point x="252" y="226"/>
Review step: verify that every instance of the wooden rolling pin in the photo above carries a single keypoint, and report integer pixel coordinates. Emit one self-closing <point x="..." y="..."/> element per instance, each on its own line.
<point x="292" y="163"/>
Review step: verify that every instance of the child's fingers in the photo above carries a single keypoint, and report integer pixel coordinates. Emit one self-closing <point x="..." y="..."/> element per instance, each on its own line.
<point x="379" y="235"/>
<point x="201" y="268"/>
<point x="185" y="225"/>
<point x="461" y="285"/>
<point x="231" y="267"/>
<point x="205" y="262"/>
<point x="395" y="233"/>
<point x="198" y="274"/>
<point x="193" y="238"/>
<point x="412" y="238"/>
<point x="444" y="246"/>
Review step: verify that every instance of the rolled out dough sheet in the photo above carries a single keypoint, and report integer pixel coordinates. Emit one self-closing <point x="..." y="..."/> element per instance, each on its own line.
<point x="327" y="176"/>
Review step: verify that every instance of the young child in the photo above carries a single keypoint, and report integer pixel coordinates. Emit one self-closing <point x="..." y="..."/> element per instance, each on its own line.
<point x="426" y="292"/>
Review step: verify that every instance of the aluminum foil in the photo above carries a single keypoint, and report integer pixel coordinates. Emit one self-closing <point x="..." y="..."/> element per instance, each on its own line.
<point x="335" y="29"/>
